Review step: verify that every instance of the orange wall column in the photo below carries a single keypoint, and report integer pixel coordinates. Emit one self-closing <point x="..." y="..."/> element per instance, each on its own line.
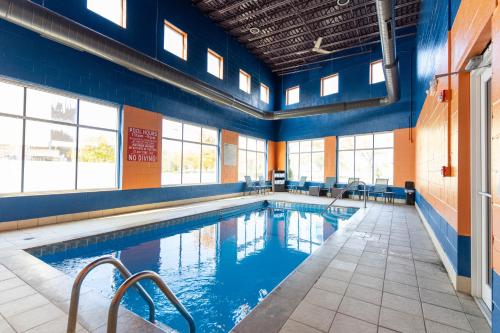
<point x="330" y="156"/>
<point x="404" y="157"/>
<point x="135" y="174"/>
<point x="229" y="173"/>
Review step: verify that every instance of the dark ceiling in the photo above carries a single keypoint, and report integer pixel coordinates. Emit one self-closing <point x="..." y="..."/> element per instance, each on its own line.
<point x="288" y="28"/>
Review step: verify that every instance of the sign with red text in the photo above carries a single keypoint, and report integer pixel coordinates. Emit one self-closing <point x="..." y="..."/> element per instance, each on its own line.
<point x="142" y="145"/>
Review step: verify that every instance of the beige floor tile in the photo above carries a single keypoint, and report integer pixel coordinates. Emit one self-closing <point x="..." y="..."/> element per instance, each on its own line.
<point x="346" y="324"/>
<point x="325" y="299"/>
<point x="35" y="317"/>
<point x="292" y="326"/>
<point x="359" y="309"/>
<point x="401" y="322"/>
<point x="314" y="316"/>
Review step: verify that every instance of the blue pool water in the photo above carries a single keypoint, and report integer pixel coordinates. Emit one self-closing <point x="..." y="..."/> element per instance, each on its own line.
<point x="220" y="267"/>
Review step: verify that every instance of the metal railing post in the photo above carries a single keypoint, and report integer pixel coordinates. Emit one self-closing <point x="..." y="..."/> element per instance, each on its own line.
<point x="75" y="291"/>
<point x="131" y="281"/>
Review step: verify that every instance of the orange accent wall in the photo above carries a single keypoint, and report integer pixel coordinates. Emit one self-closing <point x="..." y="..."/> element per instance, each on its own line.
<point x="495" y="133"/>
<point x="330" y="156"/>
<point x="404" y="156"/>
<point x="137" y="175"/>
<point x="280" y="155"/>
<point x="271" y="158"/>
<point x="229" y="174"/>
<point x="443" y="129"/>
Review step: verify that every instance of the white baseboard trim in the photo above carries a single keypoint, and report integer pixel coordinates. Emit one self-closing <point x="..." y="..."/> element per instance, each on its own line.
<point x="444" y="258"/>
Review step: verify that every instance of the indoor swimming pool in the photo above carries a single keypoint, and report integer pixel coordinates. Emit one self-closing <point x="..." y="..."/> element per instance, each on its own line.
<point x="219" y="264"/>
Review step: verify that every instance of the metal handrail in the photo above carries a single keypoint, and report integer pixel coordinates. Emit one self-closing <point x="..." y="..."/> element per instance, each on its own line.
<point x="133" y="280"/>
<point x="75" y="291"/>
<point x="342" y="193"/>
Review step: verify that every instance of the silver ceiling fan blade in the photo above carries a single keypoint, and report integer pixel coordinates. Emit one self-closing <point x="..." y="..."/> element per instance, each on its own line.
<point x="317" y="44"/>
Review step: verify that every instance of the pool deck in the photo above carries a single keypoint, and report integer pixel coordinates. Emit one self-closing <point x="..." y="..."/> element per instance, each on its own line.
<point x="379" y="273"/>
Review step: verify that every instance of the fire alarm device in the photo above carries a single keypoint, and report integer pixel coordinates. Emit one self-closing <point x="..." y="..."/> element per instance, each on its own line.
<point x="443" y="96"/>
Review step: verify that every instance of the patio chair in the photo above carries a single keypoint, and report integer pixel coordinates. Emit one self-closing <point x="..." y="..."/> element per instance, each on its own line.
<point x="380" y="187"/>
<point x="354" y="189"/>
<point x="300" y="186"/>
<point x="250" y="185"/>
<point x="262" y="185"/>
<point x="330" y="184"/>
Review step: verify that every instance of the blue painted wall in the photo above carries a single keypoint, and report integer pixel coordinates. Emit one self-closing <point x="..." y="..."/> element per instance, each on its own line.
<point x="353" y="85"/>
<point x="15" y="208"/>
<point x="456" y="247"/>
<point x="436" y="19"/>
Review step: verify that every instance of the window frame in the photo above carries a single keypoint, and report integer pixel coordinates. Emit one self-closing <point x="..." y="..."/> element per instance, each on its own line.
<point x="323" y="79"/>
<point x="372" y="65"/>
<point x="253" y="151"/>
<point x="299" y="153"/>
<point x="248" y="79"/>
<point x="123" y="20"/>
<point x="182" y="140"/>
<point x="267" y="93"/>
<point x="221" y="63"/>
<point x="287" y="99"/>
<point x="184" y="35"/>
<point x="76" y="125"/>
<point x="372" y="149"/>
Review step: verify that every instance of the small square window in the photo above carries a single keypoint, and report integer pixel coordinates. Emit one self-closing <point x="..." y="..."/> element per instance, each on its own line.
<point x="113" y="10"/>
<point x="377" y="72"/>
<point x="175" y="40"/>
<point x="215" y="64"/>
<point x="245" y="81"/>
<point x="264" y="93"/>
<point x="330" y="85"/>
<point x="292" y="95"/>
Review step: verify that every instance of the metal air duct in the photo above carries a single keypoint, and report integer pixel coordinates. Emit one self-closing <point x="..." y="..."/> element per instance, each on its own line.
<point x="60" y="29"/>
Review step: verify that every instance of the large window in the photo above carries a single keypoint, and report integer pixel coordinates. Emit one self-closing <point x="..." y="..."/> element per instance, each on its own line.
<point x="189" y="154"/>
<point x="113" y="10"/>
<point x="330" y="85"/>
<point x="306" y="158"/>
<point x="377" y="72"/>
<point x="264" y="93"/>
<point x="175" y="40"/>
<point x="52" y="142"/>
<point x="366" y="156"/>
<point x="251" y="158"/>
<point x="292" y="95"/>
<point x="245" y="81"/>
<point x="215" y="64"/>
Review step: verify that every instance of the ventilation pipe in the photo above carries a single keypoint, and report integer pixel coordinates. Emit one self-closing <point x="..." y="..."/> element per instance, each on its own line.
<point x="62" y="30"/>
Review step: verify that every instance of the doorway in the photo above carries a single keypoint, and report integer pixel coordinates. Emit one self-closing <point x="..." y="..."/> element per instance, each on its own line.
<point x="481" y="218"/>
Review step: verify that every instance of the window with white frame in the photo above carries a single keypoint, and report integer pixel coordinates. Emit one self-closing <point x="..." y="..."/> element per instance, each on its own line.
<point x="306" y="158"/>
<point x="175" y="40"/>
<point x="251" y="158"/>
<point x="215" y="64"/>
<point x="366" y="156"/>
<point x="377" y="72"/>
<point x="113" y="10"/>
<point x="264" y="93"/>
<point x="245" y="81"/>
<point x="190" y="154"/>
<point x="292" y="95"/>
<point x="330" y="85"/>
<point x="54" y="142"/>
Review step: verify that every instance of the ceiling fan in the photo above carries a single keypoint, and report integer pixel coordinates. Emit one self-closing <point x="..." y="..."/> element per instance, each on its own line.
<point x="317" y="47"/>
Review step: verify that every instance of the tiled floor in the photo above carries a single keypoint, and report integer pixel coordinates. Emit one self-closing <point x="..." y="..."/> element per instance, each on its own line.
<point x="385" y="277"/>
<point x="380" y="273"/>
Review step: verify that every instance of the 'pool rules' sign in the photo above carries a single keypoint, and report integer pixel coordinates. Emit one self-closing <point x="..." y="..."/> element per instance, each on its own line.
<point x="142" y="145"/>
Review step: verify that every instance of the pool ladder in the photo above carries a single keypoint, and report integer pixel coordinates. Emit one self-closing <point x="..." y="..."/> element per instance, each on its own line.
<point x="357" y="183"/>
<point x="131" y="280"/>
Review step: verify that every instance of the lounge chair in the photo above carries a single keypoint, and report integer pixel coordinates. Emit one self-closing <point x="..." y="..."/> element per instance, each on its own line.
<point x="250" y="185"/>
<point x="380" y="187"/>
<point x="262" y="185"/>
<point x="354" y="188"/>
<point x="330" y="184"/>
<point x="300" y="186"/>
